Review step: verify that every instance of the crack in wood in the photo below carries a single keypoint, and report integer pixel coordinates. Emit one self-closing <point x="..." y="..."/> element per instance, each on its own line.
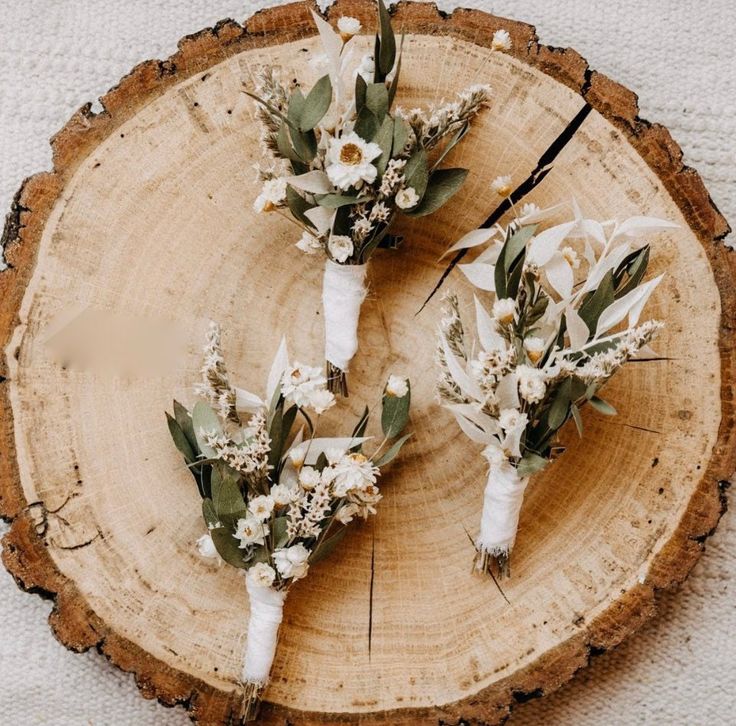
<point x="540" y="171"/>
<point x="370" y="596"/>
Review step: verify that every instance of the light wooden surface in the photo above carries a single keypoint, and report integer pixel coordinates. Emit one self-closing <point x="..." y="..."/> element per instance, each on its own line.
<point x="148" y="215"/>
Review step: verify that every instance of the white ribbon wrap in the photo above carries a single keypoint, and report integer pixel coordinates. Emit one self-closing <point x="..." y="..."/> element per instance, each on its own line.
<point x="343" y="292"/>
<point x="266" y="612"/>
<point x="502" y="501"/>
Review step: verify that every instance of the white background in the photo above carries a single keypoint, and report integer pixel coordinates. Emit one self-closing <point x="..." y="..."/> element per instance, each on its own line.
<point x="679" y="58"/>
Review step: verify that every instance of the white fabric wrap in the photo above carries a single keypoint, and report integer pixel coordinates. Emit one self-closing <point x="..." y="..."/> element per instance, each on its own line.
<point x="266" y="612"/>
<point x="502" y="501"/>
<point x="343" y="292"/>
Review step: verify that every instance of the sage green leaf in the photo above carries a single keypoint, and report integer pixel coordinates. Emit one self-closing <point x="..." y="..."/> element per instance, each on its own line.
<point x="362" y="424"/>
<point x="391" y="454"/>
<point x="578" y="419"/>
<point x="227" y="499"/>
<point x="283" y="142"/>
<point x="416" y="172"/>
<point x="557" y="414"/>
<point x="209" y="513"/>
<point x="305" y="144"/>
<point x="205" y="419"/>
<point x="401" y="136"/>
<point x="298" y="205"/>
<point x="184" y="419"/>
<point x="260" y="554"/>
<point x="334" y="201"/>
<point x="366" y="124"/>
<point x="530" y="464"/>
<point x="279" y="431"/>
<point x="442" y="185"/>
<point x="594" y="305"/>
<point x="227" y="547"/>
<point x="278" y="532"/>
<point x="295" y="109"/>
<point x="385" y="139"/>
<point x="395" y="413"/>
<point x="635" y="266"/>
<point x="387" y="51"/>
<point x="180" y="440"/>
<point x="316" y="104"/>
<point x="361" y="88"/>
<point x="516" y="245"/>
<point x="376" y="100"/>
<point x="452" y="143"/>
<point x="395" y="80"/>
<point x="602" y="406"/>
<point x="326" y="546"/>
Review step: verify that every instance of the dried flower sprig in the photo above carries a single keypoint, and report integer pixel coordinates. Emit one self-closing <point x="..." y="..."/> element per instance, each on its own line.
<point x="350" y="165"/>
<point x="276" y="501"/>
<point x="551" y="339"/>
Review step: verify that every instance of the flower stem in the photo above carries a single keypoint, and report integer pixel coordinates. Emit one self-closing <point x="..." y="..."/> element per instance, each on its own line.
<point x="252" y="693"/>
<point x="337" y="381"/>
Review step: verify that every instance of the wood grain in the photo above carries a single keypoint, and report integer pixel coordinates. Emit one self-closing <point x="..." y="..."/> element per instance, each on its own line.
<point x="147" y="216"/>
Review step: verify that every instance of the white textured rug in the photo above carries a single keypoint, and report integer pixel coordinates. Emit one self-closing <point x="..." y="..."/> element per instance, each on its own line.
<point x="681" y="668"/>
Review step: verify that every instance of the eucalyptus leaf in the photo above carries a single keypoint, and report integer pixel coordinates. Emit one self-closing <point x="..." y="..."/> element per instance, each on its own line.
<point x="560" y="406"/>
<point x="516" y="245"/>
<point x="395" y="80"/>
<point x="361" y="88"/>
<point x="366" y="124"/>
<point x="416" y="172"/>
<point x="362" y="424"/>
<point x="401" y="135"/>
<point x="530" y="464"/>
<point x="278" y="532"/>
<point x="595" y="303"/>
<point x="295" y="109"/>
<point x="227" y="499"/>
<point x="578" y="419"/>
<point x="298" y="205"/>
<point x="209" y="513"/>
<point x="180" y="440"/>
<point x="452" y="143"/>
<point x="391" y="454"/>
<point x="305" y="144"/>
<point x="334" y="201"/>
<point x="283" y="142"/>
<point x="184" y="419"/>
<point x="205" y="419"/>
<point x="376" y="100"/>
<point x="602" y="406"/>
<point x="316" y="104"/>
<point x="387" y="50"/>
<point x="395" y="413"/>
<point x="442" y="185"/>
<point x="385" y="139"/>
<point x="227" y="547"/>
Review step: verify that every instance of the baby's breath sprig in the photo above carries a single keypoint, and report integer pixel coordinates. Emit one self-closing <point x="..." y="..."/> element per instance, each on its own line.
<point x="564" y="318"/>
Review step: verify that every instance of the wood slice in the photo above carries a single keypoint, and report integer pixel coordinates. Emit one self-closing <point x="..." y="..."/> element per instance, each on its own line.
<point x="147" y="216"/>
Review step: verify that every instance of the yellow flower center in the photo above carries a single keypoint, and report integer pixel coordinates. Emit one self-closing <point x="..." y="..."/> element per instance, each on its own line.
<point x="359" y="458"/>
<point x="351" y="154"/>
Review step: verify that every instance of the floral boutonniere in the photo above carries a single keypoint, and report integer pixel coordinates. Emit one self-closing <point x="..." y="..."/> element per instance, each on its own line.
<point x="347" y="162"/>
<point x="275" y="499"/>
<point x="563" y="320"/>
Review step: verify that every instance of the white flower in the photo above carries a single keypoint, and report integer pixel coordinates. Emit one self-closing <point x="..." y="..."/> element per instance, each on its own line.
<point x="345" y="514"/>
<point x="509" y="418"/>
<point x="571" y="257"/>
<point x="292" y="561"/>
<point x="354" y="471"/>
<point x="309" y="477"/>
<point x="340" y="247"/>
<point x="513" y="423"/>
<point x="493" y="454"/>
<point x="349" y="161"/>
<point x="281" y="495"/>
<point x="262" y="574"/>
<point x="501" y="40"/>
<point x="251" y="530"/>
<point x="206" y="547"/>
<point x="301" y="384"/>
<point x="407" y="198"/>
<point x="361" y="227"/>
<point x="308" y="244"/>
<point x="296" y="456"/>
<point x="502" y="185"/>
<point x="528" y="209"/>
<point x="504" y="310"/>
<point x="334" y="455"/>
<point x="272" y="194"/>
<point x="532" y="386"/>
<point x="348" y="27"/>
<point x="321" y="399"/>
<point x="261" y="506"/>
<point x="380" y="212"/>
<point x="397" y="386"/>
<point x="534" y="348"/>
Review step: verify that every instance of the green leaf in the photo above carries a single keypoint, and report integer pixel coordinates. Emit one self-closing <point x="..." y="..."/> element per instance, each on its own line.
<point x="278" y="432"/>
<point x="596" y="303"/>
<point x="401" y="136"/>
<point x="184" y="419"/>
<point x="278" y="532"/>
<point x="635" y="266"/>
<point x="602" y="406"/>
<point x="366" y="124"/>
<point x="443" y="184"/>
<point x="395" y="413"/>
<point x="227" y="547"/>
<point x="452" y="143"/>
<point x="530" y="463"/>
<point x="180" y="440"/>
<point x="334" y="201"/>
<point x="557" y="414"/>
<point x="361" y="88"/>
<point x="209" y="513"/>
<point x="317" y="104"/>
<point x="283" y="142"/>
<point x="395" y="80"/>
<point x="516" y="244"/>
<point x="391" y="454"/>
<point x="305" y="144"/>
<point x="296" y="108"/>
<point x="205" y="419"/>
<point x="326" y="546"/>
<point x="376" y="100"/>
<point x="227" y="499"/>
<point x="298" y="205"/>
<point x="577" y="418"/>
<point x="416" y="172"/>
<point x="385" y="139"/>
<point x="362" y="424"/>
<point x="387" y="51"/>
